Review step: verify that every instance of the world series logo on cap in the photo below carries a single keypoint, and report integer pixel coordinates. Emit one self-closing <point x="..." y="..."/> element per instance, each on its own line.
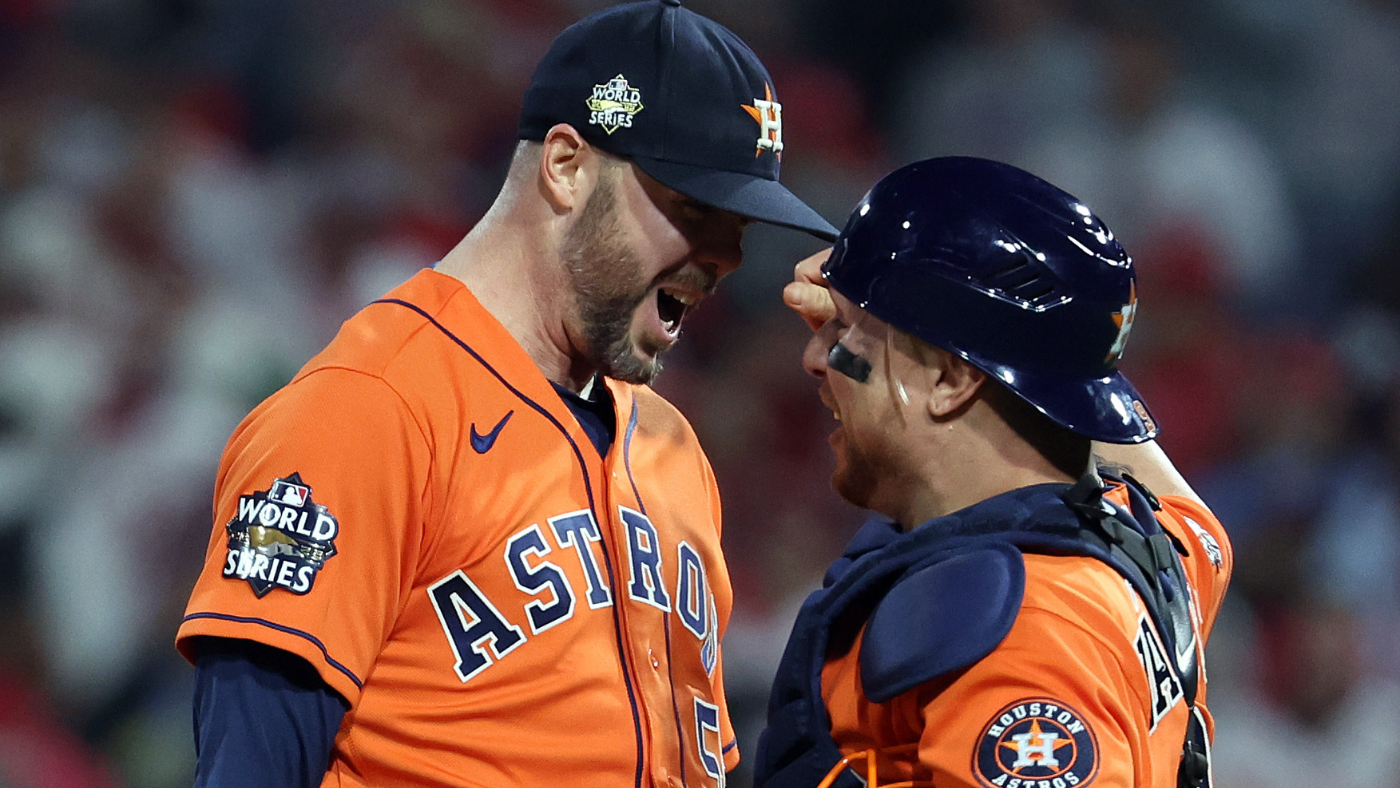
<point x="613" y="104"/>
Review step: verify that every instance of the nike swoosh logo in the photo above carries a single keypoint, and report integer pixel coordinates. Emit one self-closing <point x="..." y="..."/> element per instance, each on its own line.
<point x="483" y="443"/>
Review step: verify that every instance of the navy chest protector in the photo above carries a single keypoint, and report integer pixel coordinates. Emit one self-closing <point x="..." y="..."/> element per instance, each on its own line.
<point x="939" y="598"/>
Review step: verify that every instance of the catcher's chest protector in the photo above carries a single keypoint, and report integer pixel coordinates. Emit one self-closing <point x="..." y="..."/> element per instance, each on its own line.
<point x="890" y="583"/>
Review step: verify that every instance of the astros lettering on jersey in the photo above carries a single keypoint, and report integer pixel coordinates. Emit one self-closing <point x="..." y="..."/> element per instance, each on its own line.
<point x="420" y="516"/>
<point x="1079" y="693"/>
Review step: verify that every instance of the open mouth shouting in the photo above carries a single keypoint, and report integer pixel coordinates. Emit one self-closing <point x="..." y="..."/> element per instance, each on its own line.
<point x="672" y="303"/>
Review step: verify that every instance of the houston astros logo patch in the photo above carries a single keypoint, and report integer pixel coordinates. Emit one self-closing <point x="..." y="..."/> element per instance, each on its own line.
<point x="1036" y="743"/>
<point x="280" y="538"/>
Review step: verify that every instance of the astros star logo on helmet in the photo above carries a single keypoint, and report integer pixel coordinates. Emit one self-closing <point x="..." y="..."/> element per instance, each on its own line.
<point x="1124" y="320"/>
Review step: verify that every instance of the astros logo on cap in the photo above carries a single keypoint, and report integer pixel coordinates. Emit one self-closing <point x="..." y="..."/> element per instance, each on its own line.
<point x="769" y="115"/>
<point x="1036" y="742"/>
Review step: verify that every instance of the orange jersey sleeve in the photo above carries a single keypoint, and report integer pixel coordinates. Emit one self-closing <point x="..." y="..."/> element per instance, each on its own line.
<point x="1076" y="694"/>
<point x="313" y="457"/>
<point x="420" y="516"/>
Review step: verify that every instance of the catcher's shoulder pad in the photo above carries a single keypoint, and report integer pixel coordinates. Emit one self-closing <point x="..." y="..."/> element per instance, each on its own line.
<point x="941" y="618"/>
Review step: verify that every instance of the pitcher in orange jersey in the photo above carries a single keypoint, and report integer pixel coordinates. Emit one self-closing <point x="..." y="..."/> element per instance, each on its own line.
<point x="1013" y="618"/>
<point x="467" y="545"/>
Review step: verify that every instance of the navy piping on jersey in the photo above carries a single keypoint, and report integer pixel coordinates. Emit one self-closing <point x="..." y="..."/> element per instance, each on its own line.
<point x="282" y="628"/>
<point x="588" y="487"/>
<point x="621" y="647"/>
<point x="666" y="619"/>
<point x="627" y="458"/>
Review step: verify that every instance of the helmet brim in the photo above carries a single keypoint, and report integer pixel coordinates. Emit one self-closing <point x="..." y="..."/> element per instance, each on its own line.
<point x="1107" y="409"/>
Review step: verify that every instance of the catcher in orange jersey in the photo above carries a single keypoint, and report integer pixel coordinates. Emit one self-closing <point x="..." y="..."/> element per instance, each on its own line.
<point x="467" y="545"/>
<point x="1020" y="617"/>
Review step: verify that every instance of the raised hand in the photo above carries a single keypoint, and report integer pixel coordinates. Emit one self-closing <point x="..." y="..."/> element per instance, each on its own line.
<point x="807" y="293"/>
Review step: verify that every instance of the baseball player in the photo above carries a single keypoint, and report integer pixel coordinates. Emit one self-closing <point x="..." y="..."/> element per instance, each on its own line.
<point x="1017" y="618"/>
<point x="467" y="545"/>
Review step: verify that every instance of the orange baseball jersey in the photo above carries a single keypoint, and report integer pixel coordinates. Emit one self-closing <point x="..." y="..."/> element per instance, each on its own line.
<point x="1078" y="693"/>
<point x="420" y="516"/>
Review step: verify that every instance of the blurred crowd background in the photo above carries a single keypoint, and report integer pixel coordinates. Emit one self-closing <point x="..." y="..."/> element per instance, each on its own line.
<point x="194" y="194"/>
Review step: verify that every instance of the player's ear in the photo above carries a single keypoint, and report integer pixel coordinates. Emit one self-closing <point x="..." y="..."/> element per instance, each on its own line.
<point x="951" y="381"/>
<point x="568" y="168"/>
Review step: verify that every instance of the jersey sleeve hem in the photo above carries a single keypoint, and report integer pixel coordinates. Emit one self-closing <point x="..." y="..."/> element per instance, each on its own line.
<point x="731" y="755"/>
<point x="303" y="644"/>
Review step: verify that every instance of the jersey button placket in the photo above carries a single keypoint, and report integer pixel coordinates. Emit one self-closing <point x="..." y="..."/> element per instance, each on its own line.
<point x="616" y="538"/>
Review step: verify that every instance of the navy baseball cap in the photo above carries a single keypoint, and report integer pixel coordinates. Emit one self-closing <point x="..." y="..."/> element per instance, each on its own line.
<point x="679" y="95"/>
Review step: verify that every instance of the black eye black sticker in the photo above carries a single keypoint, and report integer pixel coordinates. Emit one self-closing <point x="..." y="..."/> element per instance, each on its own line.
<point x="842" y="360"/>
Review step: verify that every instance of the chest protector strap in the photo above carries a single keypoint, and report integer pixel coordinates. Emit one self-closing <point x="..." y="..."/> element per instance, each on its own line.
<point x="898" y="586"/>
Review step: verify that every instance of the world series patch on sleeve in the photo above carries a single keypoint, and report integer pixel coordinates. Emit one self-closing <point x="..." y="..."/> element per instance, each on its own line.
<point x="280" y="538"/>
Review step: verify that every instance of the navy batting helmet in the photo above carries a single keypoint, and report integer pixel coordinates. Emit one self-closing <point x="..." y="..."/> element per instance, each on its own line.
<point x="1007" y="271"/>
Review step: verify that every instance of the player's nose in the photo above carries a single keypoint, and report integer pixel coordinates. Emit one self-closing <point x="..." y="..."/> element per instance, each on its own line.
<point x="817" y="350"/>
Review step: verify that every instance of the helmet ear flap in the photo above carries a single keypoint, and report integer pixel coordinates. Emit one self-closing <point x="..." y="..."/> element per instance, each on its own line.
<point x="865" y="765"/>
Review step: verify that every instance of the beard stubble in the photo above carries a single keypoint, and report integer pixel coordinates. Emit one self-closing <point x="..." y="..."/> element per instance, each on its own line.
<point x="608" y="288"/>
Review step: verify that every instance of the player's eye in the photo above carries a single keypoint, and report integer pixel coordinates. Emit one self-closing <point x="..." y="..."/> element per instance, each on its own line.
<point x="835" y="329"/>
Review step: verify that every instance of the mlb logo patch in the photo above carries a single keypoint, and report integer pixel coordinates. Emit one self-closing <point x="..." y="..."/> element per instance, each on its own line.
<point x="285" y="492"/>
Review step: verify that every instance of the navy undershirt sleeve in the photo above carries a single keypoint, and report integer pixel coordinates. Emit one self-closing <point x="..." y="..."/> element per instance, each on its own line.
<point x="263" y="717"/>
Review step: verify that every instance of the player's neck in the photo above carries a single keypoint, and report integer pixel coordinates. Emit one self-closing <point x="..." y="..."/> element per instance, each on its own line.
<point x="969" y="464"/>
<point x="511" y="265"/>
